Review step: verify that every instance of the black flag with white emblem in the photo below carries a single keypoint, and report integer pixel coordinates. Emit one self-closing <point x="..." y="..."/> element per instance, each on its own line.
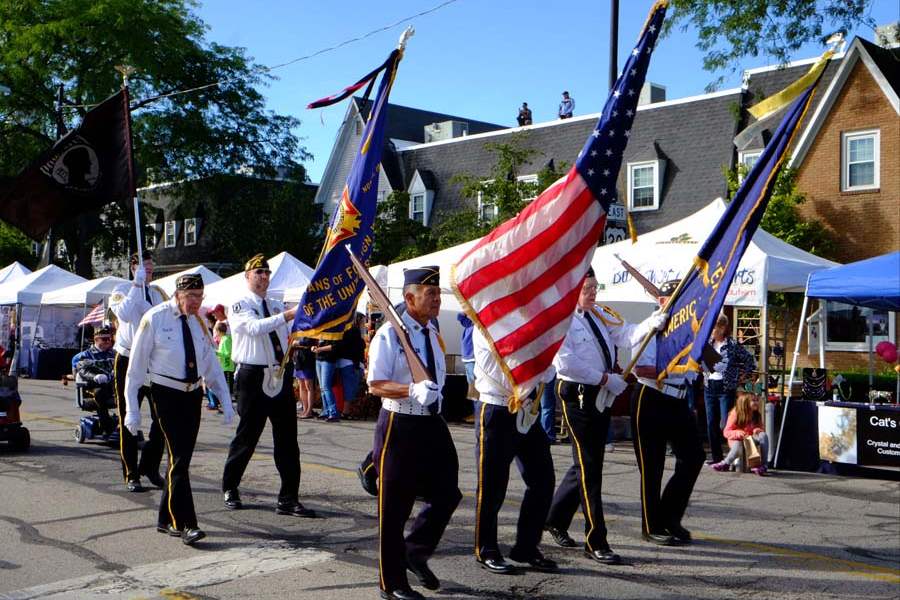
<point x="88" y="167"/>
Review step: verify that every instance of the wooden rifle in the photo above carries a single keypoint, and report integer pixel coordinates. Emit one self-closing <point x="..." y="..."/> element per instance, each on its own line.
<point x="710" y="356"/>
<point x="416" y="367"/>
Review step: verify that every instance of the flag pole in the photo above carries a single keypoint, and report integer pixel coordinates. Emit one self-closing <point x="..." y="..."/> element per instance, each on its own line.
<point x="652" y="333"/>
<point x="125" y="71"/>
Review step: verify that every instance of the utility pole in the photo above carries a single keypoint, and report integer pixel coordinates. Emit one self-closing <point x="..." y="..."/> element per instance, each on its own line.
<point x="48" y="255"/>
<point x="613" y="43"/>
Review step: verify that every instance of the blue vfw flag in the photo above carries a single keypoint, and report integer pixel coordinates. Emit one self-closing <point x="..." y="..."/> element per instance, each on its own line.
<point x="693" y="312"/>
<point x="329" y="302"/>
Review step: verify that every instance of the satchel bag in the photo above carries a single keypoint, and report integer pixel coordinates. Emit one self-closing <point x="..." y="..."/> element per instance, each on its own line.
<point x="751" y="451"/>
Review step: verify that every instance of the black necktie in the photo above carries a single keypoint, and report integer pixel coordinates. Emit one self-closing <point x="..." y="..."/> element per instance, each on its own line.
<point x="190" y="355"/>
<point x="147" y="295"/>
<point x="430" y="365"/>
<point x="603" y="347"/>
<point x="276" y="343"/>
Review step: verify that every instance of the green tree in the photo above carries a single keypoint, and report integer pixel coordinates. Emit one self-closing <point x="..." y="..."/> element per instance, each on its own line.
<point x="15" y="246"/>
<point x="782" y="217"/>
<point x="77" y="43"/>
<point x="730" y="30"/>
<point x="397" y="237"/>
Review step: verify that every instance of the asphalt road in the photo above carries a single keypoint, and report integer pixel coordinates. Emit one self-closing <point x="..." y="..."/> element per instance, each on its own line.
<point x="68" y="528"/>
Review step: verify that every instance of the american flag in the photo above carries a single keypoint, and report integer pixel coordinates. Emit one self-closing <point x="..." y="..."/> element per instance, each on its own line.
<point x="520" y="283"/>
<point x="95" y="316"/>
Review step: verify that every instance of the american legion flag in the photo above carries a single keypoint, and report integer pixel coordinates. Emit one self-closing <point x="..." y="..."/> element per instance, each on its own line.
<point x="695" y="308"/>
<point x="327" y="306"/>
<point x="520" y="283"/>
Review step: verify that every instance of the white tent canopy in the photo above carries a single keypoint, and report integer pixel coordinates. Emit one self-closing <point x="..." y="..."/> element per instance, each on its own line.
<point x="88" y="292"/>
<point x="768" y="265"/>
<point x="167" y="283"/>
<point x="288" y="273"/>
<point x="13" y="271"/>
<point x="28" y="289"/>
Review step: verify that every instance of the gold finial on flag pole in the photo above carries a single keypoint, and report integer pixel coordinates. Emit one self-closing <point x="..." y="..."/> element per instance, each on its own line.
<point x="126" y="71"/>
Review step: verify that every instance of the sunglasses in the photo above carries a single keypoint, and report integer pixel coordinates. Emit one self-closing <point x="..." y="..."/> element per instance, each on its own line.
<point x="262" y="271"/>
<point x="753" y="388"/>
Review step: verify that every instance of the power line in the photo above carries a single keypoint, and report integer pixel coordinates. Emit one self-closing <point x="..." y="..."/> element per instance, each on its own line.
<point x="271" y="68"/>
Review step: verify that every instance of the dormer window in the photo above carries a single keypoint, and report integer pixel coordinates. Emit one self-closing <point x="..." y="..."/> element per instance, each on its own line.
<point x="644" y="184"/>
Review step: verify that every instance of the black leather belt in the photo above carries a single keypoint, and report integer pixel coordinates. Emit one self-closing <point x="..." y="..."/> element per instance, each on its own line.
<point x="249" y="366"/>
<point x="582" y="389"/>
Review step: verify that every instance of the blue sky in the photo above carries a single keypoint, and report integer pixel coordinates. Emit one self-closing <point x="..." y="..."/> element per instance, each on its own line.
<point x="478" y="59"/>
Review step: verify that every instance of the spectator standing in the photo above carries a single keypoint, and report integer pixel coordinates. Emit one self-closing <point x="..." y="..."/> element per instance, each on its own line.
<point x="466" y="349"/>
<point x="524" y="116"/>
<point x="305" y="375"/>
<point x="722" y="382"/>
<point x="326" y="367"/>
<point x="351" y="352"/>
<point x="566" y="106"/>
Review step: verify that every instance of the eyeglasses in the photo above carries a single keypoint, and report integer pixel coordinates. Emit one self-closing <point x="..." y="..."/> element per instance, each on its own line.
<point x="194" y="295"/>
<point x="753" y="388"/>
<point x="589" y="288"/>
<point x="262" y="271"/>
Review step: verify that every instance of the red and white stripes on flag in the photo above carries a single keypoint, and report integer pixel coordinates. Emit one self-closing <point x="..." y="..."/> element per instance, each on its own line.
<point x="93" y="317"/>
<point x="523" y="279"/>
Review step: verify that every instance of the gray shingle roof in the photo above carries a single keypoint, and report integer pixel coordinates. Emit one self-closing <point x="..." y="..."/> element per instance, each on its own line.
<point x="887" y="60"/>
<point x="405" y="123"/>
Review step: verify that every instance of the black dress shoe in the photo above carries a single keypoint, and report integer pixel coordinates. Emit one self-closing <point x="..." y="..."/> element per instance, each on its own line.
<point x="368" y="483"/>
<point x="606" y="557"/>
<point x="536" y="561"/>
<point x="294" y="509"/>
<point x="425" y="575"/>
<point x="233" y="500"/>
<point x="169" y="529"/>
<point x="134" y="486"/>
<point x="191" y="536"/>
<point x="402" y="594"/>
<point x="156" y="479"/>
<point x="660" y="539"/>
<point x="497" y="565"/>
<point x="562" y="538"/>
<point x="681" y="535"/>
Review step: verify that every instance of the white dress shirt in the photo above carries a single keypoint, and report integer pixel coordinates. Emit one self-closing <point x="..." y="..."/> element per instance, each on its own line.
<point x="250" y="329"/>
<point x="580" y="359"/>
<point x="159" y="348"/>
<point x="128" y="303"/>
<point x="387" y="362"/>
<point x="491" y="382"/>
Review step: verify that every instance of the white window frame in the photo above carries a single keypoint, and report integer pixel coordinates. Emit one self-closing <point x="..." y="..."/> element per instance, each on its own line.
<point x="171" y="229"/>
<point x="486" y="206"/>
<point x="533" y="178"/>
<point x="853" y="346"/>
<point x="153" y="238"/>
<point x="846" y="138"/>
<point x="654" y="164"/>
<point x="742" y="160"/>
<point x="188" y="224"/>
<point x="412" y="207"/>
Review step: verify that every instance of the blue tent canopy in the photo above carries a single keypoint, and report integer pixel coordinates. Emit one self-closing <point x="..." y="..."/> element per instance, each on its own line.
<point x="873" y="283"/>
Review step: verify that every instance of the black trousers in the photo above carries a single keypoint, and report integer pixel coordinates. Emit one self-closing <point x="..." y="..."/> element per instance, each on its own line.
<point x="151" y="455"/>
<point x="416" y="457"/>
<point x="583" y="482"/>
<point x="658" y="419"/>
<point x="497" y="443"/>
<point x="368" y="464"/>
<point x="103" y="394"/>
<point x="254" y="408"/>
<point x="179" y="421"/>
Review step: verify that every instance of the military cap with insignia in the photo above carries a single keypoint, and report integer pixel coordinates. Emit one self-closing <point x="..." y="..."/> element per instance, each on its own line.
<point x="257" y="262"/>
<point x="190" y="281"/>
<point x="422" y="276"/>
<point x="668" y="288"/>
<point x="103" y="330"/>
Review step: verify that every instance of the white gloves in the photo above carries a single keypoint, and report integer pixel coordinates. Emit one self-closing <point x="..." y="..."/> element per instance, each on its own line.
<point x="101" y="379"/>
<point x="425" y="392"/>
<point x="133" y="421"/>
<point x="227" y="411"/>
<point x="615" y="383"/>
<point x="140" y="275"/>
<point x="657" y="320"/>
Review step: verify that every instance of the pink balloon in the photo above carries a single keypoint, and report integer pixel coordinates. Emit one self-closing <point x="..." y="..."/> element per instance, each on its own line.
<point x="882" y="346"/>
<point x="889" y="355"/>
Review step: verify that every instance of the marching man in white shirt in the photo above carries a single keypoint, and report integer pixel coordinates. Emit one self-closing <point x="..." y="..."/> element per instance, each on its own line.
<point x="259" y="329"/>
<point x="172" y="344"/>
<point x="413" y="450"/>
<point x="587" y="384"/>
<point x="128" y="303"/>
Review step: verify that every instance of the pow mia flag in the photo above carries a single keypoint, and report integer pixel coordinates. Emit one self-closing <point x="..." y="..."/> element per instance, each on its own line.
<point x="88" y="167"/>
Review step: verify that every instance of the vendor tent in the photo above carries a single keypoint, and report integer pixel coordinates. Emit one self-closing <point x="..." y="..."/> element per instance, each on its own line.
<point x="13" y="271"/>
<point x="288" y="273"/>
<point x="28" y="289"/>
<point x="167" y="283"/>
<point x="86" y="293"/>
<point x="768" y="265"/>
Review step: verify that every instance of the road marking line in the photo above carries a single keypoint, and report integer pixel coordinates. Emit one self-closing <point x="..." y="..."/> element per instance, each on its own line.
<point x="848" y="566"/>
<point x="168" y="578"/>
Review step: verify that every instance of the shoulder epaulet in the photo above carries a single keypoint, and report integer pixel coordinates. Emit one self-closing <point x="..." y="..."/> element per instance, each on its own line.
<point x="609" y="316"/>
<point x="161" y="292"/>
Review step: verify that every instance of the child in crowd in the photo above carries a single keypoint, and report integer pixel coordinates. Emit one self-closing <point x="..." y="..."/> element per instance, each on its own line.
<point x="744" y="420"/>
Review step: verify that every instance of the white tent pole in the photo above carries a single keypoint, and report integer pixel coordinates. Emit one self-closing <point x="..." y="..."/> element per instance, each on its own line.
<point x="790" y="383"/>
<point x="871" y="320"/>
<point x="821" y="312"/>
